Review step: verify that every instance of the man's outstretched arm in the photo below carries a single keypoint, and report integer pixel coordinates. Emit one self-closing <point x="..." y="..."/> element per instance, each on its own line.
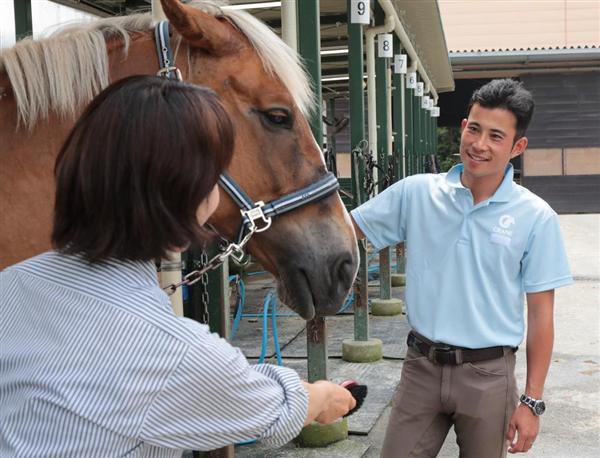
<point x="540" y="339"/>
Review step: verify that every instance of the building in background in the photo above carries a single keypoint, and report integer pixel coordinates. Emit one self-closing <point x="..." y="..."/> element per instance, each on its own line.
<point x="554" y="48"/>
<point x="46" y="16"/>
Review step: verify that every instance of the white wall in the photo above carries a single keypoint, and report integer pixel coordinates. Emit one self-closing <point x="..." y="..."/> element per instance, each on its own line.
<point x="46" y="16"/>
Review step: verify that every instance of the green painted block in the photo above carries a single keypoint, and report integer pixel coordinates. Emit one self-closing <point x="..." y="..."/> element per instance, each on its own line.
<point x="358" y="351"/>
<point x="398" y="279"/>
<point x="386" y="307"/>
<point x="318" y="435"/>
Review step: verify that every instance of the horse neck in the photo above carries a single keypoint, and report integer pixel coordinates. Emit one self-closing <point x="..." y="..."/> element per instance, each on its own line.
<point x="141" y="59"/>
<point x="51" y="131"/>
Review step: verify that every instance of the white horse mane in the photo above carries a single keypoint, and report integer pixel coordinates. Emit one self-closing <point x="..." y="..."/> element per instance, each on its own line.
<point x="66" y="70"/>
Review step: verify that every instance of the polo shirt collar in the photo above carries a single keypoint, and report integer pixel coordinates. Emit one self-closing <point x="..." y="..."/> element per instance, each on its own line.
<point x="503" y="192"/>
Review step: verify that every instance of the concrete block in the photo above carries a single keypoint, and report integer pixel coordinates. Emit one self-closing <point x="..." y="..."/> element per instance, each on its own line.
<point x="357" y="351"/>
<point x="398" y="279"/>
<point x="318" y="435"/>
<point x="386" y="307"/>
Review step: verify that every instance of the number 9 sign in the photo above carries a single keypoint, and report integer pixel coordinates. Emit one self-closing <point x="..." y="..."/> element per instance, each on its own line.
<point x="360" y="12"/>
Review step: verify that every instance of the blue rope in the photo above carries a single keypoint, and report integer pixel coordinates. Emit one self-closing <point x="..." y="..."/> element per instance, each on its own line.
<point x="263" y="346"/>
<point x="241" y="300"/>
<point x="275" y="333"/>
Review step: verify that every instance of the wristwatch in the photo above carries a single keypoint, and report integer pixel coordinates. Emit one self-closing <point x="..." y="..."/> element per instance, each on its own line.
<point x="537" y="406"/>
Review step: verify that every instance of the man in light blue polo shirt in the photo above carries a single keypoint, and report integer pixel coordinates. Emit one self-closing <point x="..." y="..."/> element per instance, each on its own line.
<point x="476" y="244"/>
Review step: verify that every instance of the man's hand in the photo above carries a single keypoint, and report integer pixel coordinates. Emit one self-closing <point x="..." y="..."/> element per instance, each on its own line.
<point x="525" y="426"/>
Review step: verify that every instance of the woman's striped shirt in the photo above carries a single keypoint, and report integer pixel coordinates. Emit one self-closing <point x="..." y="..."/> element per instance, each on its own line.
<point x="93" y="363"/>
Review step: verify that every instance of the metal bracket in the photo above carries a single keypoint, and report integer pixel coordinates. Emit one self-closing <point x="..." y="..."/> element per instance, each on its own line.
<point x="256" y="213"/>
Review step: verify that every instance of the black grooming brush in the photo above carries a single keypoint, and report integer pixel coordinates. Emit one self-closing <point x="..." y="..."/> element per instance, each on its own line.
<point x="359" y="393"/>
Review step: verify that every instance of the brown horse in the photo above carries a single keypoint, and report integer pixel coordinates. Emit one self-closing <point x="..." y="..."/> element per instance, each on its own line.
<point x="45" y="84"/>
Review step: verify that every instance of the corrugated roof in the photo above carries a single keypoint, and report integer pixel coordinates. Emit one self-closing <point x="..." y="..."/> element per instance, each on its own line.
<point x="545" y="48"/>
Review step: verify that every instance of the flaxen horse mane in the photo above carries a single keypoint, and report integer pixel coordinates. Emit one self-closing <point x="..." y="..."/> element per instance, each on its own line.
<point x="61" y="73"/>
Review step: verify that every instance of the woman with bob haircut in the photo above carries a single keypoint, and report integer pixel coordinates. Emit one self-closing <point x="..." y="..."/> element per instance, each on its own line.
<point x="94" y="362"/>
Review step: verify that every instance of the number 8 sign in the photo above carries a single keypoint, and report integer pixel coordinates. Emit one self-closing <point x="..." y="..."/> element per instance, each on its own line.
<point x="385" y="47"/>
<point x="360" y="12"/>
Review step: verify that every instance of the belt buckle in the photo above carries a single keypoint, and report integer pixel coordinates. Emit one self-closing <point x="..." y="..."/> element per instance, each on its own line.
<point x="444" y="355"/>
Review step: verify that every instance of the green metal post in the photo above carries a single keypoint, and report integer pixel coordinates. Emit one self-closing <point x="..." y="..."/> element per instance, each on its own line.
<point x="420" y="141"/>
<point x="435" y="136"/>
<point x="23" y="23"/>
<point x="357" y="135"/>
<point x="215" y="294"/>
<point x="422" y="136"/>
<point x="417" y="129"/>
<point x="381" y="84"/>
<point x="309" y="47"/>
<point x="409" y="133"/>
<point x="398" y="101"/>
<point x="429" y="133"/>
<point x="331" y="145"/>
<point x="426" y="121"/>
<point x="398" y="115"/>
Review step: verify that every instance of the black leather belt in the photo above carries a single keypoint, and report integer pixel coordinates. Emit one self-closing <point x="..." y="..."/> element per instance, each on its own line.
<point x="443" y="354"/>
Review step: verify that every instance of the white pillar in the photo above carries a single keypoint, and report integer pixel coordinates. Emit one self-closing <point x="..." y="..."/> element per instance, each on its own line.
<point x="289" y="23"/>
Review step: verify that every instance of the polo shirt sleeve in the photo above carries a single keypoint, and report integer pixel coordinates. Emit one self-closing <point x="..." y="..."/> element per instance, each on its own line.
<point x="544" y="265"/>
<point x="215" y="398"/>
<point x="382" y="218"/>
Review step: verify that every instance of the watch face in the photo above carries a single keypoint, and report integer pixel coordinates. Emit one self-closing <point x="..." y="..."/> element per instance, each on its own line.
<point x="540" y="407"/>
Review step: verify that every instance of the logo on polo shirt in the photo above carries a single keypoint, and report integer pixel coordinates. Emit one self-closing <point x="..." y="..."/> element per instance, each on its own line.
<point x="506" y="221"/>
<point x="502" y="234"/>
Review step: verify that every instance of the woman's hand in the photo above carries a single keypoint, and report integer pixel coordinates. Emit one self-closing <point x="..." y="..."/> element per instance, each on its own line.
<point x="327" y="402"/>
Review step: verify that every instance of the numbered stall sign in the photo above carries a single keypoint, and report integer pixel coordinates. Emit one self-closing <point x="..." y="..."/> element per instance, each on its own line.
<point x="384" y="40"/>
<point x="430" y="103"/>
<point x="425" y="102"/>
<point x="411" y="80"/>
<point x="435" y="112"/>
<point x="400" y="63"/>
<point x="361" y="12"/>
<point x="419" y="91"/>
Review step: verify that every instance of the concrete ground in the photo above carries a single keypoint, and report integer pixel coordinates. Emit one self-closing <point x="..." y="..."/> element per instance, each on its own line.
<point x="571" y="425"/>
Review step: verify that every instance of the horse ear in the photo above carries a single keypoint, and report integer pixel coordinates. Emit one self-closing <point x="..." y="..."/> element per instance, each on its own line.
<point x="200" y="29"/>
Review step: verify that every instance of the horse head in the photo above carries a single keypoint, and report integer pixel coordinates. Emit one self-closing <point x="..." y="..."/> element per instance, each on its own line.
<point x="311" y="250"/>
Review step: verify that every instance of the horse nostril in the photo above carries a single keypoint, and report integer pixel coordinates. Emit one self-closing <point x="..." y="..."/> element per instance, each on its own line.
<point x="344" y="270"/>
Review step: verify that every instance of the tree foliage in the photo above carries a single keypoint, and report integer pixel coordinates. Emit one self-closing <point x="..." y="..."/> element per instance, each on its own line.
<point x="448" y="147"/>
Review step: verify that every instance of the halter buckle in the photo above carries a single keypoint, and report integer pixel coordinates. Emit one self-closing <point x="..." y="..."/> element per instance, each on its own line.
<point x="166" y="70"/>
<point x="256" y="213"/>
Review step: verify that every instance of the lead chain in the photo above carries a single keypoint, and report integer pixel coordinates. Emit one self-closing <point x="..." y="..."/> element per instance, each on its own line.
<point x="204" y="286"/>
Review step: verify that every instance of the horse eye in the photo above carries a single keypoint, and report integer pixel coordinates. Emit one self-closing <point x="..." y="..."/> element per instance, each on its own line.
<point x="279" y="118"/>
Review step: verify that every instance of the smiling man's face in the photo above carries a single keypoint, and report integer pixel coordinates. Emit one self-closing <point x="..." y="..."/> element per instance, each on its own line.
<point x="487" y="144"/>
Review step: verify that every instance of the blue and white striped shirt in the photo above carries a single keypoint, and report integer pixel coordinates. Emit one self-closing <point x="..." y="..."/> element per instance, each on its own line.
<point x="93" y="363"/>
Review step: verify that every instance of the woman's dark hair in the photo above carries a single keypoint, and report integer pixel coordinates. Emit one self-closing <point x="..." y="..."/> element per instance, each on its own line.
<point x="135" y="168"/>
<point x="510" y="95"/>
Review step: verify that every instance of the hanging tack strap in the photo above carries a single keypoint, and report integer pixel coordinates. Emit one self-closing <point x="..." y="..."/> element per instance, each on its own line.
<point x="166" y="61"/>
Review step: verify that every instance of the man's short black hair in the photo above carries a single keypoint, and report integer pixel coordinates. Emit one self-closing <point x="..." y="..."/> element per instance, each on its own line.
<point x="135" y="168"/>
<point x="510" y="95"/>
